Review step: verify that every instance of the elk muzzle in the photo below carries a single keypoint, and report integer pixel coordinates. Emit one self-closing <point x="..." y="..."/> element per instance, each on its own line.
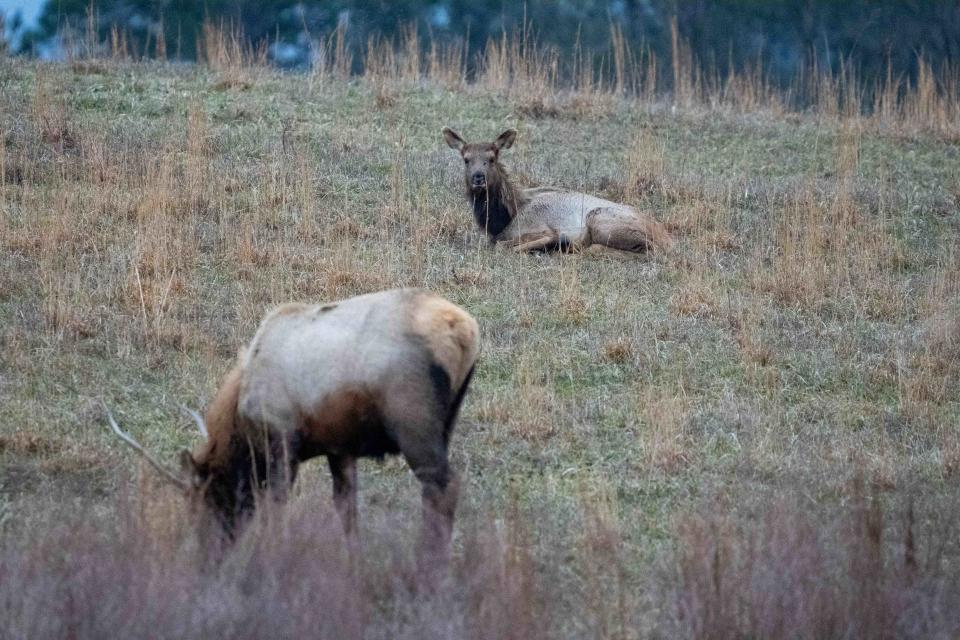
<point x="478" y="180"/>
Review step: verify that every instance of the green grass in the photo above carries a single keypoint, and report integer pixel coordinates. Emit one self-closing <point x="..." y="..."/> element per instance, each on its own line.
<point x="239" y="199"/>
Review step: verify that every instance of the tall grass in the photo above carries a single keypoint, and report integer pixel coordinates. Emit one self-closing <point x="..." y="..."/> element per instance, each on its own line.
<point x="534" y="75"/>
<point x="788" y="574"/>
<point x="805" y="325"/>
<point x="139" y="568"/>
<point x="519" y="67"/>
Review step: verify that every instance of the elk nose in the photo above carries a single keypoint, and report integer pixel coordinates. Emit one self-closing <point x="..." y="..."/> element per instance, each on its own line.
<point x="479" y="179"/>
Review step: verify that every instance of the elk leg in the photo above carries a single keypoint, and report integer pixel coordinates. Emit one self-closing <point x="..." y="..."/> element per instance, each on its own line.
<point x="439" y="498"/>
<point x="439" y="494"/>
<point x="281" y="468"/>
<point x="525" y="238"/>
<point x="422" y="418"/>
<point x="344" y="472"/>
<point x="633" y="232"/>
<point x="543" y="243"/>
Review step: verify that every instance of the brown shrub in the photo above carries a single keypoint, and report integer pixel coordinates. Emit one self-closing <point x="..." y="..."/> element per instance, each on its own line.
<point x="867" y="570"/>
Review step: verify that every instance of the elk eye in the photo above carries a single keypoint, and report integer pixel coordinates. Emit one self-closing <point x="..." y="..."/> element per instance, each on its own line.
<point x="465" y="161"/>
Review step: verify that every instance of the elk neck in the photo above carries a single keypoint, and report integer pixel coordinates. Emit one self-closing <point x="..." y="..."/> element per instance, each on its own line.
<point x="495" y="205"/>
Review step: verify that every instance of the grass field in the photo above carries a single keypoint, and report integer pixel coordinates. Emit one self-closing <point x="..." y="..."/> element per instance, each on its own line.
<point x="755" y="435"/>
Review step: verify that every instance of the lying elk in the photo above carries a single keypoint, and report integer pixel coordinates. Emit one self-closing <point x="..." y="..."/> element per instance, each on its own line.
<point x="546" y="218"/>
<point x="382" y="373"/>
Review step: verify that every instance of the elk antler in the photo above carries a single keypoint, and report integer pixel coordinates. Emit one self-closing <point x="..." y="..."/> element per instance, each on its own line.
<point x="166" y="473"/>
<point x="201" y="425"/>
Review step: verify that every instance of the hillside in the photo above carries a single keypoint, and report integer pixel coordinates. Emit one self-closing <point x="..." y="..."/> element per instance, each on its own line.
<point x="789" y="374"/>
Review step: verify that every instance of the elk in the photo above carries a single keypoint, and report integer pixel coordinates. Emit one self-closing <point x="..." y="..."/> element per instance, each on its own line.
<point x="382" y="373"/>
<point x="546" y="218"/>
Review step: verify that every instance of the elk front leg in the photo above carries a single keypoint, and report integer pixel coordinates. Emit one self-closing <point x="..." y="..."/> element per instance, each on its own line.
<point x="542" y="241"/>
<point x="344" y="472"/>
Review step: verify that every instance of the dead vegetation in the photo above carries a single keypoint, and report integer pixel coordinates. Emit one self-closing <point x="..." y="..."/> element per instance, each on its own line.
<point x="790" y="575"/>
<point x="871" y="568"/>
<point x="803" y="329"/>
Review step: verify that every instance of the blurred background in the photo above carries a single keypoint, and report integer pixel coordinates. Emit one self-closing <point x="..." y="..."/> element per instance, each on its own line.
<point x="871" y="37"/>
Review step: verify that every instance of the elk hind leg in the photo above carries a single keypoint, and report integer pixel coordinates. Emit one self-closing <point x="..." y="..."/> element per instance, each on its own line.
<point x="422" y="417"/>
<point x="440" y="488"/>
<point x="627" y="231"/>
<point x="439" y="492"/>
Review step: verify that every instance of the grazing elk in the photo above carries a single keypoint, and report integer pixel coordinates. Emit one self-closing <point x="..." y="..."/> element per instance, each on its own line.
<point x="546" y="218"/>
<point x="377" y="374"/>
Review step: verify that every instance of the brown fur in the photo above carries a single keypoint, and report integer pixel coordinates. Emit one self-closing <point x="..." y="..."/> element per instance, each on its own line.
<point x="412" y="414"/>
<point x="496" y="201"/>
<point x="499" y="184"/>
<point x="221" y="421"/>
<point x="499" y="194"/>
<point x="636" y="234"/>
<point x="546" y="226"/>
<point x="332" y="426"/>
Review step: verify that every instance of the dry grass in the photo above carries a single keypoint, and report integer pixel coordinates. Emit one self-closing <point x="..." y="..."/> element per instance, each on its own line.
<point x="665" y="439"/>
<point x="788" y="574"/>
<point x="794" y="569"/>
<point x="803" y="329"/>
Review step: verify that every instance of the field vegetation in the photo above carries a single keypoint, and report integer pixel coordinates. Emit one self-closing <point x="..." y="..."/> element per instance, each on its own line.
<point x="753" y="435"/>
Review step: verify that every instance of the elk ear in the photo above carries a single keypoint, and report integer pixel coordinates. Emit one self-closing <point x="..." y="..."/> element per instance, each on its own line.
<point x="505" y="140"/>
<point x="454" y="141"/>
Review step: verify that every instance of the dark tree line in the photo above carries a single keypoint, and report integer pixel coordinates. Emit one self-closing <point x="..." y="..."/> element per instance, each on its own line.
<point x="867" y="34"/>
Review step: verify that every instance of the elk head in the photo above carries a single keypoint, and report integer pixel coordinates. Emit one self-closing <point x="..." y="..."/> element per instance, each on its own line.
<point x="201" y="487"/>
<point x="221" y="488"/>
<point x="481" y="166"/>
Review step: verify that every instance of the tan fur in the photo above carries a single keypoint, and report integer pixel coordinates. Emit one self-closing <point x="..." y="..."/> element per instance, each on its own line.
<point x="619" y="229"/>
<point x="539" y="242"/>
<point x="221" y="419"/>
<point x="350" y="379"/>
<point x="453" y="335"/>
<point x="290" y="308"/>
<point x="545" y="218"/>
